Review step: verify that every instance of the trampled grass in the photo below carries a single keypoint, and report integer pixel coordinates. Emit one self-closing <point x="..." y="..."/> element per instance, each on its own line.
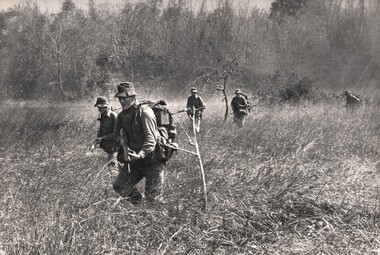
<point x="295" y="180"/>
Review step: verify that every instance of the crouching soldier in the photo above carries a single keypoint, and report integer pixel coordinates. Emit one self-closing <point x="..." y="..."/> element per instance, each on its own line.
<point x="239" y="108"/>
<point x="194" y="107"/>
<point x="352" y="101"/>
<point x="107" y="124"/>
<point x="136" y="134"/>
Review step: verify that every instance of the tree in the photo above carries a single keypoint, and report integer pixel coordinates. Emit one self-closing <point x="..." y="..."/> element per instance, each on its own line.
<point x="63" y="35"/>
<point x="24" y="41"/>
<point x="223" y="74"/>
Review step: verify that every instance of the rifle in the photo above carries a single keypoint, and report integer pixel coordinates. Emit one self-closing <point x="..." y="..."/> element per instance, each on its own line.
<point x="180" y="111"/>
<point x="128" y="153"/>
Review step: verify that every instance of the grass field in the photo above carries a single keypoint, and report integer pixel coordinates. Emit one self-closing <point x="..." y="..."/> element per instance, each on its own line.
<point x="295" y="180"/>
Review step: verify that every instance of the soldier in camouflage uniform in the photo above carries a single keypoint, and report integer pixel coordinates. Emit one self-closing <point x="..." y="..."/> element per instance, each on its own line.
<point x="137" y="135"/>
<point x="239" y="108"/>
<point x="195" y="103"/>
<point x="352" y="101"/>
<point x="107" y="124"/>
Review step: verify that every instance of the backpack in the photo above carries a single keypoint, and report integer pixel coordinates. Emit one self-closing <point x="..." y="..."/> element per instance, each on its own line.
<point x="165" y="146"/>
<point x="248" y="103"/>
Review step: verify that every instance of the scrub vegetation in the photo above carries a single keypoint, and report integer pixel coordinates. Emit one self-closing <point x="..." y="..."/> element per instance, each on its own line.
<point x="295" y="180"/>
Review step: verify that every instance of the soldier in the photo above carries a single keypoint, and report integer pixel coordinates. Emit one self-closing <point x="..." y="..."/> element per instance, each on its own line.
<point x="352" y="102"/>
<point x="195" y="104"/>
<point x="107" y="121"/>
<point x="239" y="108"/>
<point x="137" y="135"/>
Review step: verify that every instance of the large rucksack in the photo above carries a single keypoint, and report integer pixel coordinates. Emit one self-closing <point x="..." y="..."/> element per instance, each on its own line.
<point x="166" y="128"/>
<point x="248" y="103"/>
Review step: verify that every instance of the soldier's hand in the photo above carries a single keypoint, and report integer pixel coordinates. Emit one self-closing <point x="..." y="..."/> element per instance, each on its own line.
<point x="92" y="148"/>
<point x="112" y="163"/>
<point x="98" y="140"/>
<point x="133" y="156"/>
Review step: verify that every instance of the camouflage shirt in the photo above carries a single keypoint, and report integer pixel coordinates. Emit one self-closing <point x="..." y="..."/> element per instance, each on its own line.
<point x="352" y="100"/>
<point x="196" y="102"/>
<point x="136" y="128"/>
<point x="106" y="130"/>
<point x="237" y="103"/>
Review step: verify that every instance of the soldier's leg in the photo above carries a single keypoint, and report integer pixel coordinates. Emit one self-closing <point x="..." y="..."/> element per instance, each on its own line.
<point x="135" y="177"/>
<point x="125" y="183"/>
<point x="154" y="182"/>
<point x="242" y="121"/>
<point x="190" y="120"/>
<point x="197" y="124"/>
<point x="236" y="119"/>
<point x="121" y="181"/>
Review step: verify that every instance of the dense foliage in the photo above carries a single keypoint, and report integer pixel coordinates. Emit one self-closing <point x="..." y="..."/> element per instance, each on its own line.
<point x="77" y="53"/>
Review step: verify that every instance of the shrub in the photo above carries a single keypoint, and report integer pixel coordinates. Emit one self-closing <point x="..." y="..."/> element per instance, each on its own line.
<point x="296" y="89"/>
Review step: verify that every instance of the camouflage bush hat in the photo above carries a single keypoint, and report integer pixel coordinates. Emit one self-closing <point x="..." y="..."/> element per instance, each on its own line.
<point x="238" y="91"/>
<point x="102" y="102"/>
<point x="194" y="90"/>
<point x="125" y="89"/>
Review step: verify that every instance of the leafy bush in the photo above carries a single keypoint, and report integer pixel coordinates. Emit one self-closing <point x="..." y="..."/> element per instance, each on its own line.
<point x="296" y="89"/>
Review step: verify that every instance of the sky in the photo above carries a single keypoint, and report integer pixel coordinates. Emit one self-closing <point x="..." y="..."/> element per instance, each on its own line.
<point x="55" y="5"/>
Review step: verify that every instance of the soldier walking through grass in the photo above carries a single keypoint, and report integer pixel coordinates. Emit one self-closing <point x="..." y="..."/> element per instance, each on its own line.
<point x="239" y="108"/>
<point x="195" y="104"/>
<point x="136" y="134"/>
<point x="107" y="124"/>
<point x="352" y="101"/>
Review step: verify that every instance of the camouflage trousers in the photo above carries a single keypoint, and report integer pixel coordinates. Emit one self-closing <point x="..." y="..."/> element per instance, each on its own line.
<point x="129" y="177"/>
<point x="239" y="119"/>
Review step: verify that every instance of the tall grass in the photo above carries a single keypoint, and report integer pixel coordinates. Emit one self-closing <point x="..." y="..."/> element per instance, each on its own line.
<point x="295" y="180"/>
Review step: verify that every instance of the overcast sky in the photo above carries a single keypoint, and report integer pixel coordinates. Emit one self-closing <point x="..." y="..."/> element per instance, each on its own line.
<point x="54" y="5"/>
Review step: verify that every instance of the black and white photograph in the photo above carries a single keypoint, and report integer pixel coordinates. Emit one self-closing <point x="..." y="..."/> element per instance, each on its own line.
<point x="196" y="127"/>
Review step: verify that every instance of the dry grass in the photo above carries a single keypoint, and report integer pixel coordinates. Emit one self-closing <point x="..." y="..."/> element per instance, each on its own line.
<point x="295" y="180"/>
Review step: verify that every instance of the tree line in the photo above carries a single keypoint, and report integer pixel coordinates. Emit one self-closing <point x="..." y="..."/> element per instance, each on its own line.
<point x="75" y="54"/>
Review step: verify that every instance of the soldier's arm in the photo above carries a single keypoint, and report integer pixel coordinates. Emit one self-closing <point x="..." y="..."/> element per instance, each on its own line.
<point x="149" y="125"/>
<point x="116" y="134"/>
<point x="357" y="99"/>
<point x="188" y="104"/>
<point x="233" y="102"/>
<point x="99" y="133"/>
<point x="202" y="104"/>
<point x="114" y="121"/>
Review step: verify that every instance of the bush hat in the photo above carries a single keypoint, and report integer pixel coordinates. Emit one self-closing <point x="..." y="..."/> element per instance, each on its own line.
<point x="194" y="90"/>
<point x="238" y="91"/>
<point x="102" y="102"/>
<point x="125" y="89"/>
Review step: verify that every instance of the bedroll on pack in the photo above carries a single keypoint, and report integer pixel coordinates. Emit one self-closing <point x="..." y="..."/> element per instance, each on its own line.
<point x="165" y="145"/>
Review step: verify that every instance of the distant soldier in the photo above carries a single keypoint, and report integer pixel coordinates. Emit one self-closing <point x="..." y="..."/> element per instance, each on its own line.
<point x="195" y="104"/>
<point x="352" y="101"/>
<point x="239" y="108"/>
<point x="107" y="120"/>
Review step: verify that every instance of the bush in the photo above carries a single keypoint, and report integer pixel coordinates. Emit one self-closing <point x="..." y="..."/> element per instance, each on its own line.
<point x="296" y="89"/>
